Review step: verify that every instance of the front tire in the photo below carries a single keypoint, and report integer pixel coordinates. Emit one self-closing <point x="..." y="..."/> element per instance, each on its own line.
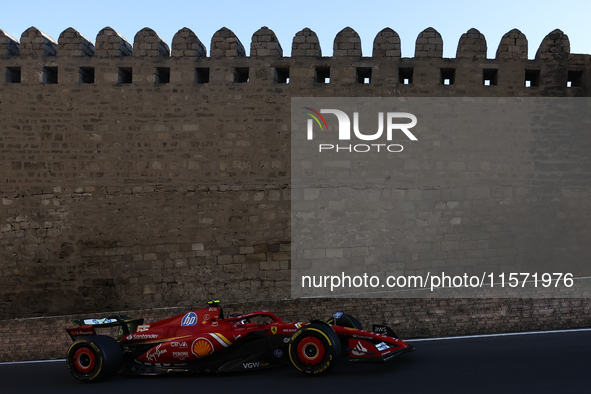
<point x="314" y="349"/>
<point x="94" y="358"/>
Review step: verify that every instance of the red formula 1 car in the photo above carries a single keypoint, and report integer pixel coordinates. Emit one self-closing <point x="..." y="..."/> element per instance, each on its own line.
<point x="204" y="341"/>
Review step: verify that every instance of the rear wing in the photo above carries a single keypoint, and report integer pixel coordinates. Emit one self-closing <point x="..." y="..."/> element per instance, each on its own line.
<point x="86" y="327"/>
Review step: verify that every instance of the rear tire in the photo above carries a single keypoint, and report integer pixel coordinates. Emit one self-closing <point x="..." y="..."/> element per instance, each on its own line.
<point x="314" y="349"/>
<point x="94" y="358"/>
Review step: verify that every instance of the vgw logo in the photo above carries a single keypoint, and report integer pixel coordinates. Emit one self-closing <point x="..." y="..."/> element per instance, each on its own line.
<point x="344" y="126"/>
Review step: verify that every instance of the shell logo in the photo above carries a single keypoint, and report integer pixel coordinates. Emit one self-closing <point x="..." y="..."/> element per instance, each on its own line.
<point x="202" y="347"/>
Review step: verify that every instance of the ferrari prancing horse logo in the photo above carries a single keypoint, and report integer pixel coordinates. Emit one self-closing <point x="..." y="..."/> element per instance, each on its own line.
<point x="274" y="330"/>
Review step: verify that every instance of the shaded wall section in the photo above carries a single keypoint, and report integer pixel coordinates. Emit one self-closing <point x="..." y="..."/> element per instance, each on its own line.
<point x="142" y="175"/>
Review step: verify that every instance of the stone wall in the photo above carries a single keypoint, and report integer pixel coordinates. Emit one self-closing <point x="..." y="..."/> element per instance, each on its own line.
<point x="140" y="176"/>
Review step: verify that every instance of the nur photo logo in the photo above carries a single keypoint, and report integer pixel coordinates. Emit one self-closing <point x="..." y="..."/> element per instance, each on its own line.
<point x="390" y="122"/>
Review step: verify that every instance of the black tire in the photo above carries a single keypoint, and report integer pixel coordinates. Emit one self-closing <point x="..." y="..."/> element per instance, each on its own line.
<point x="94" y="358"/>
<point x="314" y="349"/>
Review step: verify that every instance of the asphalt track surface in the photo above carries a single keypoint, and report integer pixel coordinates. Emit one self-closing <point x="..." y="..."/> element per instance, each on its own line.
<point x="552" y="362"/>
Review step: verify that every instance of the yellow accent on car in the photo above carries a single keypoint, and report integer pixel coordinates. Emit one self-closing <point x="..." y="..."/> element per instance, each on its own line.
<point x="223" y="338"/>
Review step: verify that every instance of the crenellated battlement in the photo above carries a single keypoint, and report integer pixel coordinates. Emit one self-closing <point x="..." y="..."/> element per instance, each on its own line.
<point x="186" y="44"/>
<point x="110" y="44"/>
<point x="264" y="43"/>
<point x="147" y="43"/>
<point x="74" y="59"/>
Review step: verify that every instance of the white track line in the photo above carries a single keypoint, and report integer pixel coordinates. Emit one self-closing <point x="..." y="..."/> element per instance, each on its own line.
<point x="508" y="334"/>
<point x="33" y="362"/>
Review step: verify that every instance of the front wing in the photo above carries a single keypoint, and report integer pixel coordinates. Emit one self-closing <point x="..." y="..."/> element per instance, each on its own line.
<point x="367" y="346"/>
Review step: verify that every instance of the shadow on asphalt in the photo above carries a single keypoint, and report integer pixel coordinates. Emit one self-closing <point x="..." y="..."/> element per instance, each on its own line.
<point x="538" y="363"/>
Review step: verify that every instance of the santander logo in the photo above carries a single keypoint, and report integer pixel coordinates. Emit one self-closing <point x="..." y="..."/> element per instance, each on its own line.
<point x="141" y="336"/>
<point x="359" y="350"/>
